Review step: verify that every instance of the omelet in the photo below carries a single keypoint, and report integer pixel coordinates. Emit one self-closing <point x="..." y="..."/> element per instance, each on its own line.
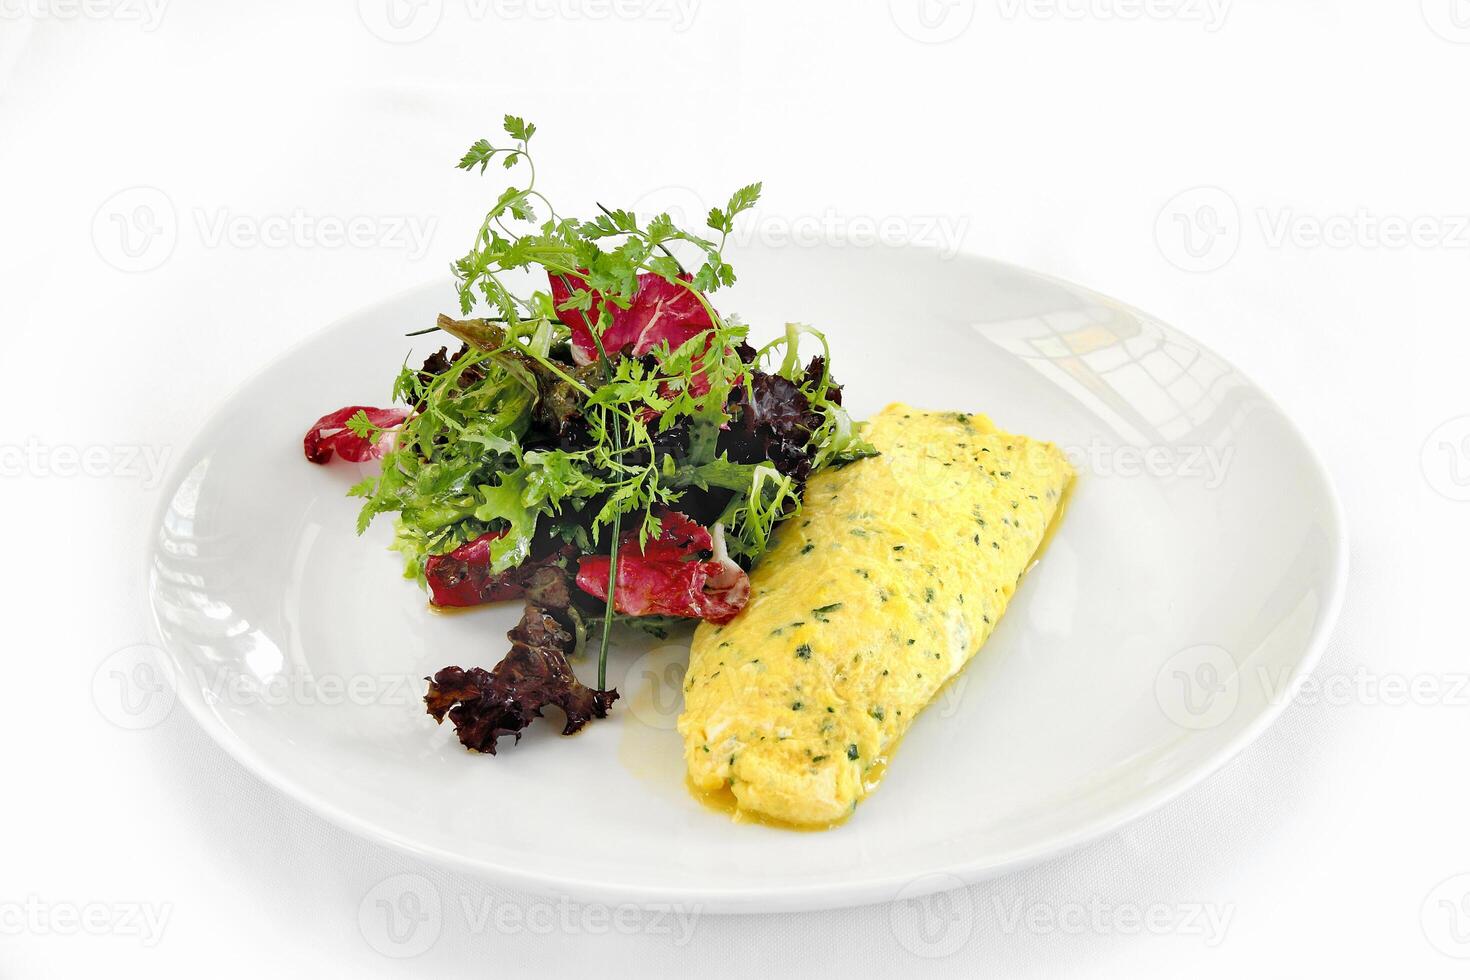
<point x="885" y="585"/>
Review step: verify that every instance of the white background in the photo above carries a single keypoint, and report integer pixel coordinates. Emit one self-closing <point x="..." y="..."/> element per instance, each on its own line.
<point x="1056" y="135"/>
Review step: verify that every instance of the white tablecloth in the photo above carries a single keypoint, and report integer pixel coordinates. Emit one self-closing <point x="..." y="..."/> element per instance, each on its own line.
<point x="190" y="187"/>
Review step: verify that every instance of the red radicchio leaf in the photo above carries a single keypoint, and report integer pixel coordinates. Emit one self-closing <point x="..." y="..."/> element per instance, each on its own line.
<point x="661" y="311"/>
<point x="484" y="705"/>
<point x="666" y="577"/>
<point x="463" y="577"/>
<point x="330" y="434"/>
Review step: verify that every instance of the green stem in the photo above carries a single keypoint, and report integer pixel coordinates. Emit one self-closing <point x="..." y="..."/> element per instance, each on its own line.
<point x="617" y="521"/>
<point x="660" y="245"/>
<point x="610" y="608"/>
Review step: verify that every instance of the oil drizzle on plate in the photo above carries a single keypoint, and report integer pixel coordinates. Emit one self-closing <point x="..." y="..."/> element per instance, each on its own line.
<point x="1053" y="525"/>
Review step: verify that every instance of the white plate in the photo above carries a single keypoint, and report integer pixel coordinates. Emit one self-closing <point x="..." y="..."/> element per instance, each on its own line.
<point x="1190" y="589"/>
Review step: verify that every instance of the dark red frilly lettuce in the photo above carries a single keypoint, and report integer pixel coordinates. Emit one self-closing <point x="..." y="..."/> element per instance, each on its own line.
<point x="483" y="704"/>
<point x="772" y="421"/>
<point x="661" y="311"/>
<point x="330" y="434"/>
<point x="666" y="577"/>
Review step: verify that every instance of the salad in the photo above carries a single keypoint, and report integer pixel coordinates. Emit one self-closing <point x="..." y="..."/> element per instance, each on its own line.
<point x="601" y="443"/>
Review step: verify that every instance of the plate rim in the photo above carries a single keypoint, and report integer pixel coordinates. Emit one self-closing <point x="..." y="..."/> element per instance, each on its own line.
<point x="822" y="894"/>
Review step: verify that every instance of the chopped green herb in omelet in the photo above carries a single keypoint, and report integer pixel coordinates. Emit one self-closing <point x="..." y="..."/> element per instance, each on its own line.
<point x="871" y="651"/>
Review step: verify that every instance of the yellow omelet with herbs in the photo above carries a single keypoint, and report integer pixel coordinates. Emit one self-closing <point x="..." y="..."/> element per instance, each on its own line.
<point x="881" y="590"/>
